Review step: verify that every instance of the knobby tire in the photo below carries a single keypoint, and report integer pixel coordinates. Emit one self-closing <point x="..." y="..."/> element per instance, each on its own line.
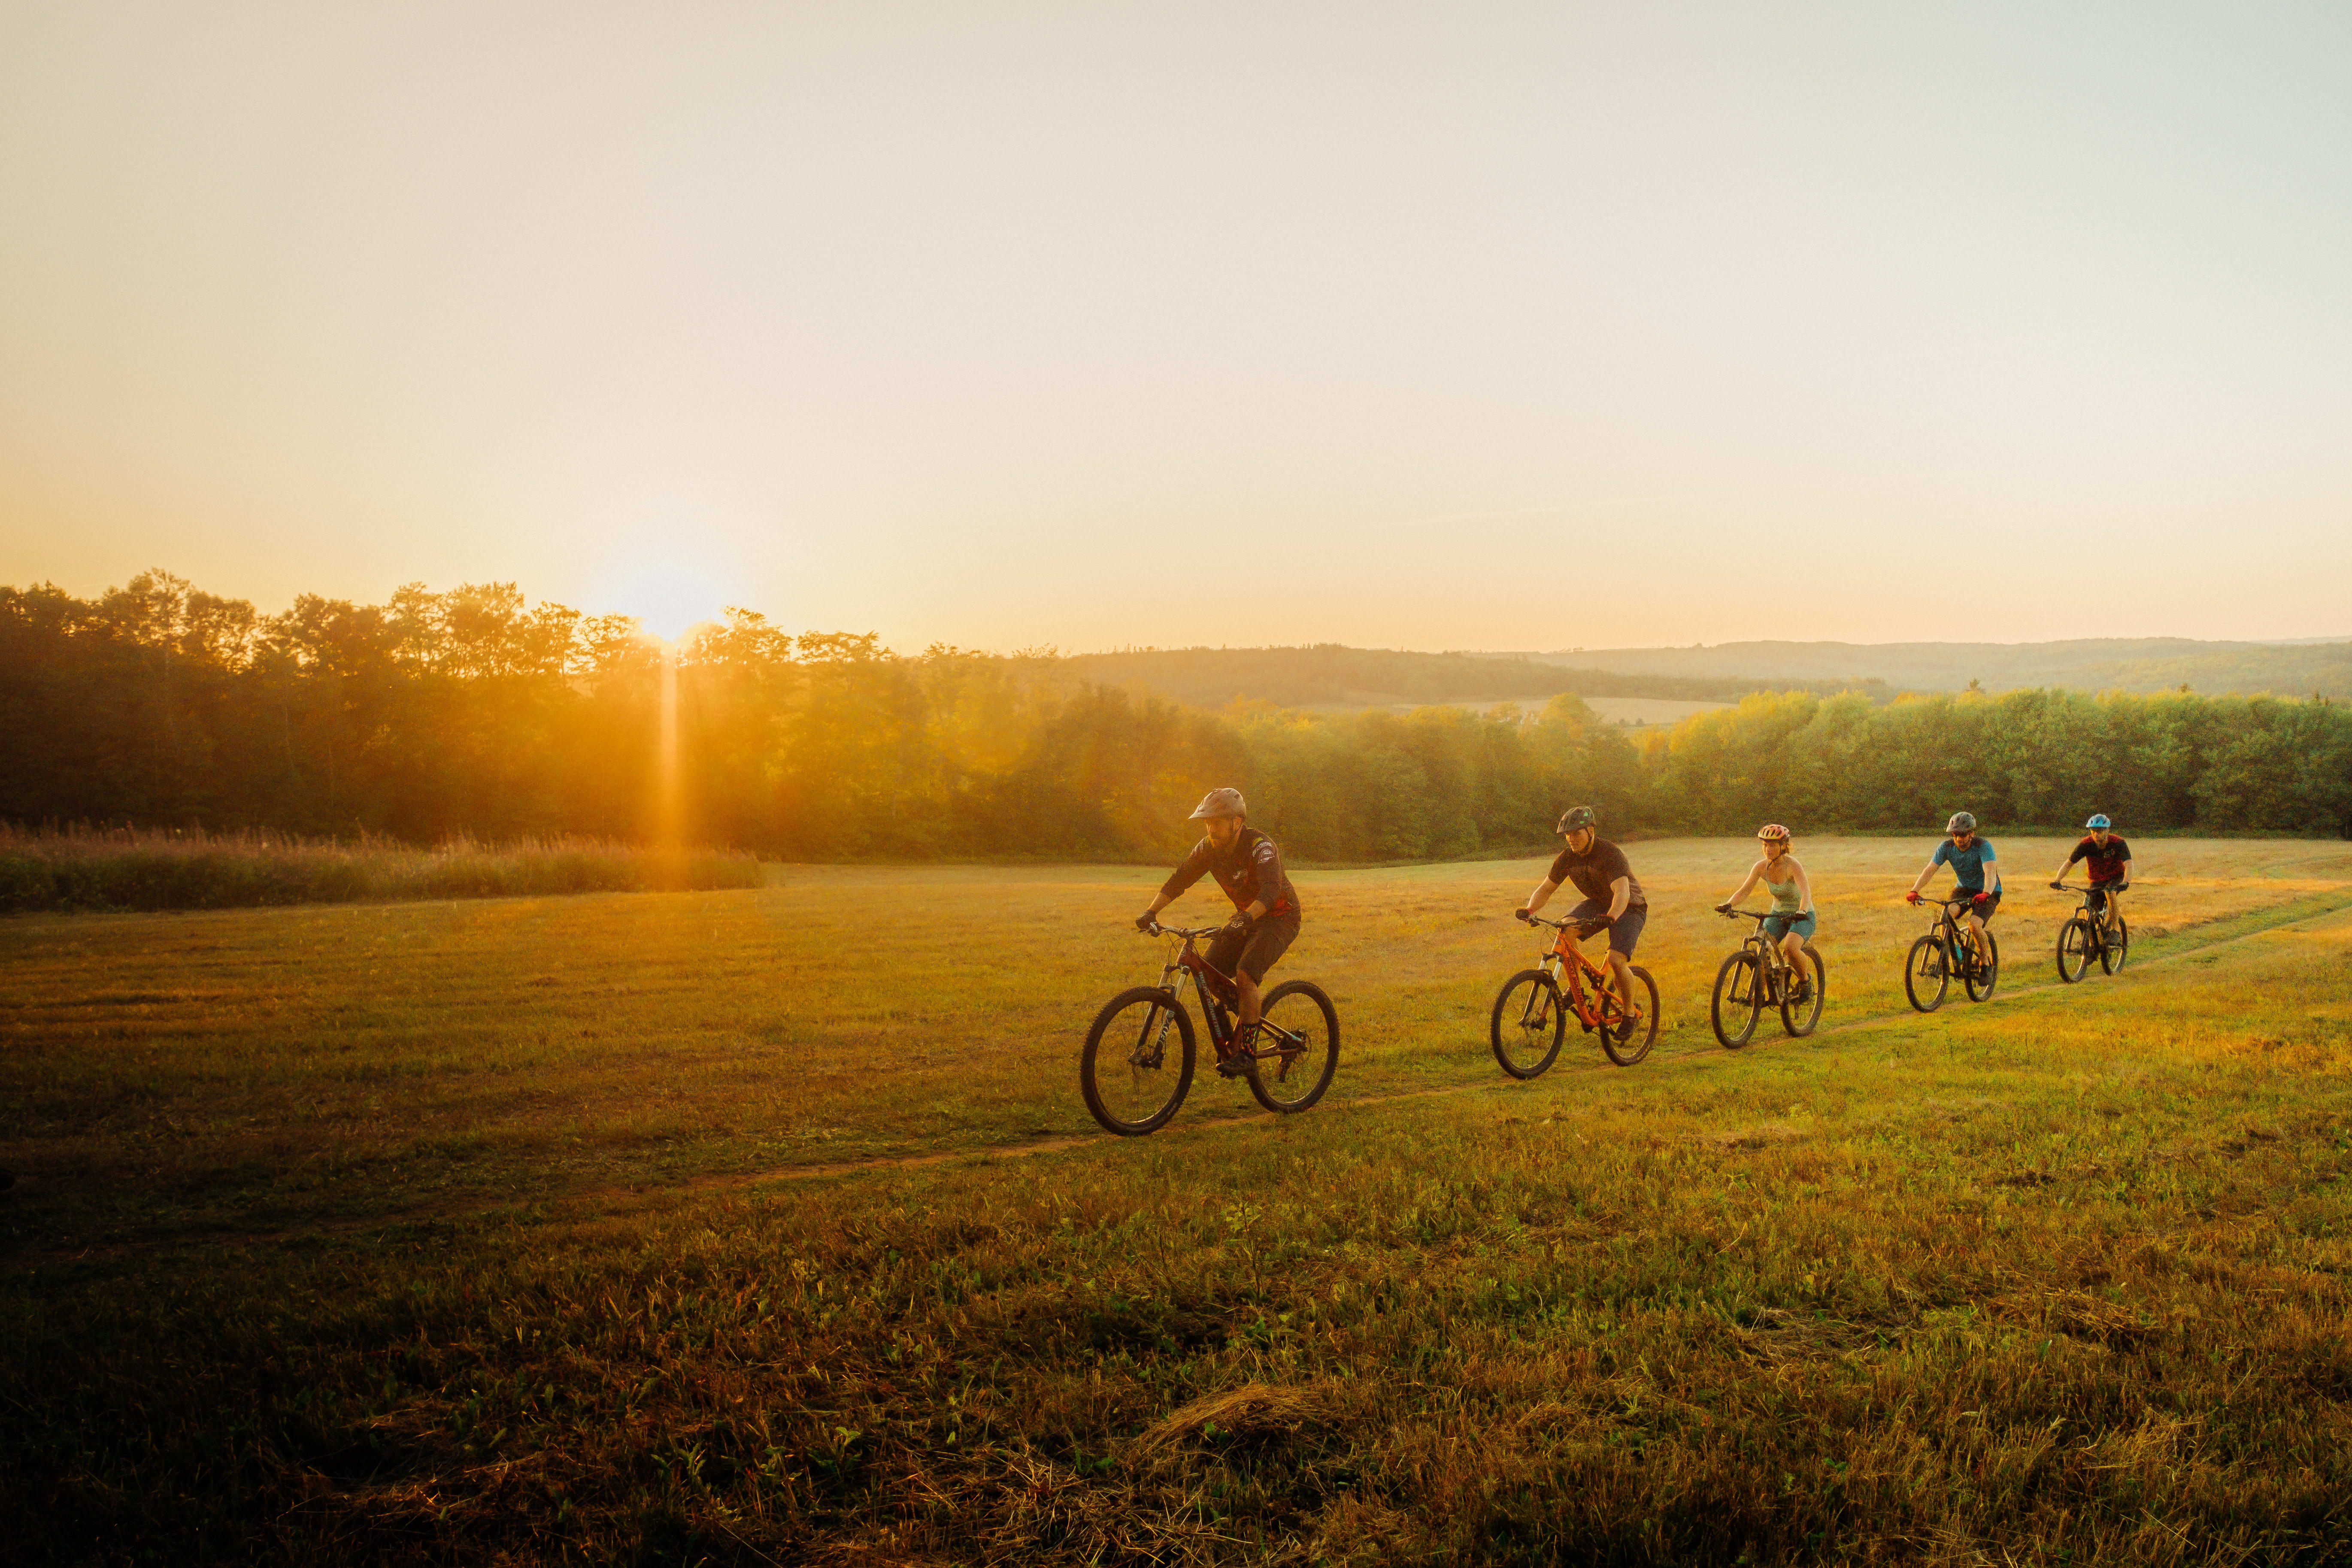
<point x="1286" y="1082"/>
<point x="1980" y="981"/>
<point x="1116" y="1086"/>
<point x="1618" y="1033"/>
<point x="1927" y="973"/>
<point x="2074" y="949"/>
<point x="1800" y="1018"/>
<point x="1528" y="1021"/>
<point x="1739" y="1000"/>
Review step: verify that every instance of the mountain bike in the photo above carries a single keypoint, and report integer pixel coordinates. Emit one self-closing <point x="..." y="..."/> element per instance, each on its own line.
<point x="1138" y="1062"/>
<point x="1532" y="1010"/>
<point x="1944" y="952"/>
<point x="2089" y="935"/>
<point x="1758" y="976"/>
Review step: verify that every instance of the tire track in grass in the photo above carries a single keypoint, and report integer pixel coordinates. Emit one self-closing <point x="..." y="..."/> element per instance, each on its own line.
<point x="1687" y="1057"/>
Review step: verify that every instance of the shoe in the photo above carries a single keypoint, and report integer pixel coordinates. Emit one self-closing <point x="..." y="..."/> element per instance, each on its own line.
<point x="1238" y="1064"/>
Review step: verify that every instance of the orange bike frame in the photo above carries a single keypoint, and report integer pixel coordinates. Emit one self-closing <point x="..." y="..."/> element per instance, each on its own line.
<point x="1577" y="966"/>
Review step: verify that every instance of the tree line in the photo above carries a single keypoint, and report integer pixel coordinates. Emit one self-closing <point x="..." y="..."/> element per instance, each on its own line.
<point x="475" y="712"/>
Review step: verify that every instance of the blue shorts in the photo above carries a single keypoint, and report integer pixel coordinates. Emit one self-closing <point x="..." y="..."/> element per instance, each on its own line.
<point x="1777" y="926"/>
<point x="1621" y="935"/>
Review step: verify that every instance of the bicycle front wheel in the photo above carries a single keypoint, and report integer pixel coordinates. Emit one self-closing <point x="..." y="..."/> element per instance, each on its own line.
<point x="1800" y="1012"/>
<point x="1297" y="1047"/>
<point x="1528" y="1022"/>
<point x="1137" y="1061"/>
<point x="2119" y="947"/>
<point x="1983" y="976"/>
<point x="2074" y="949"/>
<point x="1628" y="1039"/>
<point x="1926" y="973"/>
<point x="1739" y="1000"/>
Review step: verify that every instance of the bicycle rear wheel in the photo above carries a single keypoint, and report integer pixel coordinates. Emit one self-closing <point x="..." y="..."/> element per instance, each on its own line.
<point x="1802" y="1012"/>
<point x="1132" y="1073"/>
<point x="1739" y="1000"/>
<point x="2074" y="949"/>
<point x="1528" y="1022"/>
<point x="1926" y="973"/>
<point x="1628" y="1041"/>
<point x="2118" y="948"/>
<point x="1983" y="977"/>
<point x="1297" y="1047"/>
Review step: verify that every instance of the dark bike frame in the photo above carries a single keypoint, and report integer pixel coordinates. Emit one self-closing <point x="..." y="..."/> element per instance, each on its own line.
<point x="1772" y="965"/>
<point x="1961" y="961"/>
<point x="2100" y="946"/>
<point x="1219" y="996"/>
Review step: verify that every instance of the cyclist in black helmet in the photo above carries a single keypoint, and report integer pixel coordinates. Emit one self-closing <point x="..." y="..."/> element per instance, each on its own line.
<point x="1611" y="897"/>
<point x="1248" y="866"/>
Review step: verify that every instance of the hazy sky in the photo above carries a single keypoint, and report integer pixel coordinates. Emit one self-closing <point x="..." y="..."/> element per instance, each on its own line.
<point x="1500" y="326"/>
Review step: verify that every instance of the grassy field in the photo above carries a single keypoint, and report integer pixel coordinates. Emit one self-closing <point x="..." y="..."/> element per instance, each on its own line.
<point x="688" y="1228"/>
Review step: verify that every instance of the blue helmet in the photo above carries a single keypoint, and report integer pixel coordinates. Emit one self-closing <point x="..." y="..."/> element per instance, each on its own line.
<point x="2099" y="821"/>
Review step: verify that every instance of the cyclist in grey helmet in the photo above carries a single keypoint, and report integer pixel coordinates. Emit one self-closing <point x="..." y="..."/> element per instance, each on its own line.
<point x="1248" y="866"/>
<point x="1976" y="876"/>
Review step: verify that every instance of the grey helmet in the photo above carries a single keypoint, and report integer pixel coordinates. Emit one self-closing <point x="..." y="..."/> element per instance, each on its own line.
<point x="1220" y="803"/>
<point x="1962" y="822"/>
<point x="1577" y="817"/>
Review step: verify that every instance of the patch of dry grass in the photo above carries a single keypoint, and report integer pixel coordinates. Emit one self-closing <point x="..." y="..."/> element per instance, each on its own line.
<point x="80" y="868"/>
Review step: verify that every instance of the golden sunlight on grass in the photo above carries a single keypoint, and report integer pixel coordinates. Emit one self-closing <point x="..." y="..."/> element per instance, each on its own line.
<point x="510" y="1230"/>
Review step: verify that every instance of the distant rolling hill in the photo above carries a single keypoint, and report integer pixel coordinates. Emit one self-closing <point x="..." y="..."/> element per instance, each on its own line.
<point x="1328" y="674"/>
<point x="2096" y="664"/>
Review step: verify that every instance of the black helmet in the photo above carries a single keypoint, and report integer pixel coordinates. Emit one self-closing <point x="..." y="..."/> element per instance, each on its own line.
<point x="1577" y="817"/>
<point x="1962" y="822"/>
<point x="1220" y="803"/>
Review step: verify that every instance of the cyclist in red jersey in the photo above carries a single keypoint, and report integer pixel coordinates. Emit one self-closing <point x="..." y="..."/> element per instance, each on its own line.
<point x="2109" y="865"/>
<point x="1248" y="866"/>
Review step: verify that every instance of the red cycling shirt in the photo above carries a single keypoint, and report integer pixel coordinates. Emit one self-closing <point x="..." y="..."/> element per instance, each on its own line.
<point x="2107" y="860"/>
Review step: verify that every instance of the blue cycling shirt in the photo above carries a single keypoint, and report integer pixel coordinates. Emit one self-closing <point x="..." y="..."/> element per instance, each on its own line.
<point x="1968" y="864"/>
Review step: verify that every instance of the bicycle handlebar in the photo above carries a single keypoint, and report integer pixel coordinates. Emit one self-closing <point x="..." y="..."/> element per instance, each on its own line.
<point x="1159" y="930"/>
<point x="1758" y="916"/>
<point x="1586" y="927"/>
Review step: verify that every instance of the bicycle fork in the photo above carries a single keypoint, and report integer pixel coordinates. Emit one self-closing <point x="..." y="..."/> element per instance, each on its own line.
<point x="1151" y="1040"/>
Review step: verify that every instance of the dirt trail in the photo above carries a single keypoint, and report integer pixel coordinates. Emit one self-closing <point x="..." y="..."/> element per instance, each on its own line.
<point x="1690" y="1057"/>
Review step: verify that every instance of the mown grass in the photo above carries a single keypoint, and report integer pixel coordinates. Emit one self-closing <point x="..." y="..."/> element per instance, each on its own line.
<point x="340" y="1242"/>
<point x="144" y="869"/>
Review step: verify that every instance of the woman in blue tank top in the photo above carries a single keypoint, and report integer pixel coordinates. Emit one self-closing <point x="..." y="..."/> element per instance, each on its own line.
<point x="1792" y="922"/>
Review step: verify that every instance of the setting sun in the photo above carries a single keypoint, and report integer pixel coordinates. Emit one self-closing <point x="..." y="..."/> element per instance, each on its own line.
<point x="668" y="598"/>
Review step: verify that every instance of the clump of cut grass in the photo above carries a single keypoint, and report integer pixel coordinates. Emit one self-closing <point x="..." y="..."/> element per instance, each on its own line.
<point x="1254" y="1409"/>
<point x="147" y="869"/>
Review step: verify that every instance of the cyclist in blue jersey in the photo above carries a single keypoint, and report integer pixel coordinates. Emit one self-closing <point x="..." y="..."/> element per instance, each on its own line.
<point x="1976" y="876"/>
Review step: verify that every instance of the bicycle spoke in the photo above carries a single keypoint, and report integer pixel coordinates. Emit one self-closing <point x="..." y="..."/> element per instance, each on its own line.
<point x="1138" y="1088"/>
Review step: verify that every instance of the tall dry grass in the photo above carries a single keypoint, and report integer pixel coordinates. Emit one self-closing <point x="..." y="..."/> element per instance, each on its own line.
<point x="83" y="867"/>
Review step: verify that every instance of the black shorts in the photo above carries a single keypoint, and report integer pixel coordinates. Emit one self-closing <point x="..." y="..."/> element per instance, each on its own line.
<point x="1267" y="941"/>
<point x="1624" y="932"/>
<point x="1984" y="911"/>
